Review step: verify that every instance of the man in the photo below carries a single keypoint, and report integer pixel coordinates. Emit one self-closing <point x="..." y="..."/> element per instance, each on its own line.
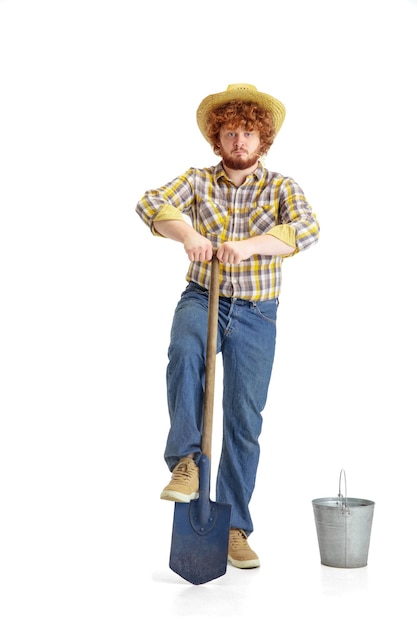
<point x="251" y="218"/>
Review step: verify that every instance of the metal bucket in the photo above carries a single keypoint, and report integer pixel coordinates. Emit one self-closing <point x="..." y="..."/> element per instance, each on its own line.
<point x="343" y="529"/>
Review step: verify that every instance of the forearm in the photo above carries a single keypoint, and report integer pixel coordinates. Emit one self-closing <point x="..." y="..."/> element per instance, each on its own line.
<point x="269" y="245"/>
<point x="197" y="247"/>
<point x="177" y="230"/>
<point x="266" y="245"/>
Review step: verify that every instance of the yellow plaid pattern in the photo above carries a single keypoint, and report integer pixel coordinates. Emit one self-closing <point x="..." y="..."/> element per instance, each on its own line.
<point x="266" y="203"/>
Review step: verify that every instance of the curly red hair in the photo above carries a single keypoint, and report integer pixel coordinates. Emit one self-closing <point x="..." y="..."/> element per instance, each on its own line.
<point x="238" y="113"/>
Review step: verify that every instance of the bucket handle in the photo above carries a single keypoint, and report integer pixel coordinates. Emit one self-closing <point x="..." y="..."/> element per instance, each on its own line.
<point x="343" y="498"/>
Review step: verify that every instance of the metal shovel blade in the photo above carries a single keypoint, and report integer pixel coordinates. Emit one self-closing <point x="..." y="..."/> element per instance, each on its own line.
<point x="200" y="535"/>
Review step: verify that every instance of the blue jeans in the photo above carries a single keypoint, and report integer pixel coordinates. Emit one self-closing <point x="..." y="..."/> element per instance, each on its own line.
<point x="246" y="339"/>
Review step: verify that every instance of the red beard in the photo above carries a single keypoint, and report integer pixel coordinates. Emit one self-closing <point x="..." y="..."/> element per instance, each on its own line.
<point x="239" y="163"/>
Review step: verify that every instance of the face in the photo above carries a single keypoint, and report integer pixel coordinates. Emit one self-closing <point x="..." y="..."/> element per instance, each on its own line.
<point x="239" y="147"/>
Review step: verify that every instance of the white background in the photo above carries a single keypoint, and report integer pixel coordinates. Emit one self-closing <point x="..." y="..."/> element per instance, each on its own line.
<point x="97" y="104"/>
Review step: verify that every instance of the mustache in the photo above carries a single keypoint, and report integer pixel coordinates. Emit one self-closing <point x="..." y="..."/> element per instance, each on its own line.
<point x="247" y="152"/>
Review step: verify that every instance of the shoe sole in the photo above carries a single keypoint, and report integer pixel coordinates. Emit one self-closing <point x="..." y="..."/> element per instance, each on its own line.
<point x="177" y="496"/>
<point x="250" y="564"/>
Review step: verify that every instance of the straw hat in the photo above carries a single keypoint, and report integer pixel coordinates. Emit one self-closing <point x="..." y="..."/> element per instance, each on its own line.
<point x="240" y="91"/>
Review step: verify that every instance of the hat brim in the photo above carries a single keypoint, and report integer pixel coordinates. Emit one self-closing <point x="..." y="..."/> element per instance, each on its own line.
<point x="243" y="92"/>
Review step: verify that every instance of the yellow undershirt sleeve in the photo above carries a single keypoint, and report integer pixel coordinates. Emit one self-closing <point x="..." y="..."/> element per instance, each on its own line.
<point x="168" y="212"/>
<point x="285" y="233"/>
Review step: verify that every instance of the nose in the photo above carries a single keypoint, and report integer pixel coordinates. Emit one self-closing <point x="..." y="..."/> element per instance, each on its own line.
<point x="239" y="140"/>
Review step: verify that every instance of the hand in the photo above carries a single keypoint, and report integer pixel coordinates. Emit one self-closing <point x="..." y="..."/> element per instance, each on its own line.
<point x="234" y="251"/>
<point x="197" y="247"/>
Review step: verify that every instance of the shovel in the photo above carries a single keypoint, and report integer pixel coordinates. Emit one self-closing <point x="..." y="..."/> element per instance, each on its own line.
<point x="200" y="534"/>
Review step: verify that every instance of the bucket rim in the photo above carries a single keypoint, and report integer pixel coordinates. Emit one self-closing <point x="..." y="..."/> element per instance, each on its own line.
<point x="335" y="500"/>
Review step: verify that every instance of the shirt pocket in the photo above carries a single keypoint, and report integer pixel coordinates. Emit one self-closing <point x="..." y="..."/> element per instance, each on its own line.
<point x="212" y="218"/>
<point x="262" y="219"/>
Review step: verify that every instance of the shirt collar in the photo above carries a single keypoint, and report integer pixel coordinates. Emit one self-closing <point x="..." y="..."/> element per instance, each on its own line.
<point x="220" y="173"/>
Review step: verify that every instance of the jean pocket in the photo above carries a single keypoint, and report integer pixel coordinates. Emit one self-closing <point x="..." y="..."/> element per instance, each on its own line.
<point x="267" y="310"/>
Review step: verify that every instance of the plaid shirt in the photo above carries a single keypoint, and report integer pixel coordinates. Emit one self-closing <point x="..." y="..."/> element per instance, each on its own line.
<point x="266" y="203"/>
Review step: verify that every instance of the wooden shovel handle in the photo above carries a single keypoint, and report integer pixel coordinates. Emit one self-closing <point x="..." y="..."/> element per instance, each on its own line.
<point x="213" y="314"/>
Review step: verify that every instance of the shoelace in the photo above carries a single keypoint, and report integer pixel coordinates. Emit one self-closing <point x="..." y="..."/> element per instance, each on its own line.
<point x="238" y="539"/>
<point x="183" y="471"/>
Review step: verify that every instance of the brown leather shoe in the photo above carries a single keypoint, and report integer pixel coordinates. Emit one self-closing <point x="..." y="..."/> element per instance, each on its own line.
<point x="184" y="482"/>
<point x="240" y="553"/>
